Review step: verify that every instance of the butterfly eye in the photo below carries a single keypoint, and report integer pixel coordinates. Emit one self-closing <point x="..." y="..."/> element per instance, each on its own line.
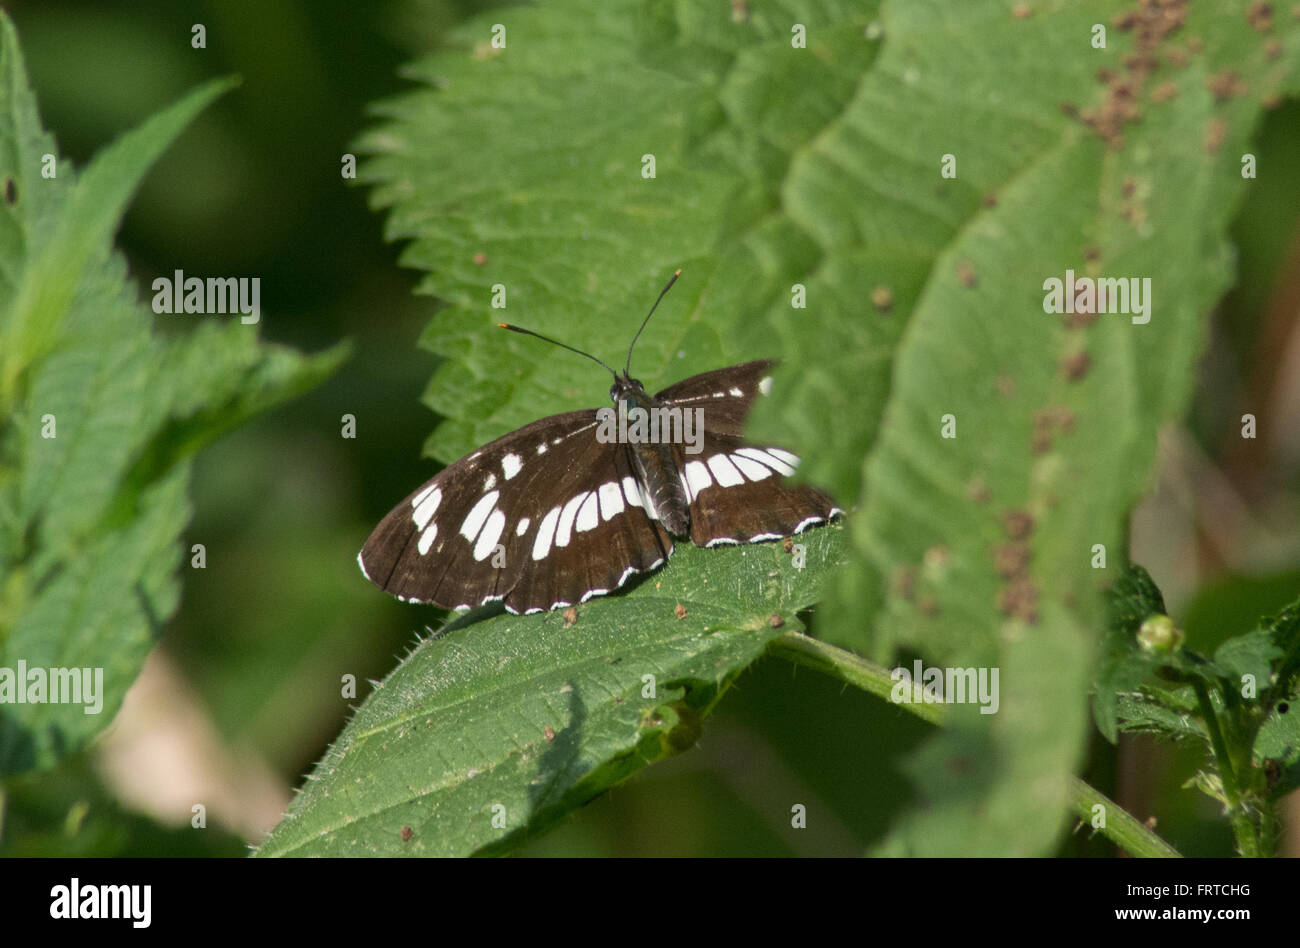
<point x="613" y="392"/>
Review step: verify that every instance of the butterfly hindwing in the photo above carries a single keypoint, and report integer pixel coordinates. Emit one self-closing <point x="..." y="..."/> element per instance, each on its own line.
<point x="737" y="490"/>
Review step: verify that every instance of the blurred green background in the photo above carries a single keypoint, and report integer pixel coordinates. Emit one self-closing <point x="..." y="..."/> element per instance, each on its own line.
<point x="243" y="695"/>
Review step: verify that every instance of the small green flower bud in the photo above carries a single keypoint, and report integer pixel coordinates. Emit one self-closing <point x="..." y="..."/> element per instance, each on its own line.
<point x="1159" y="634"/>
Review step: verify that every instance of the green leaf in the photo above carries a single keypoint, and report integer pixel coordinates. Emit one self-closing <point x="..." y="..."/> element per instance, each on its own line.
<point x="99" y="416"/>
<point x="1131" y="601"/>
<point x="1283" y="630"/>
<point x="1172" y="714"/>
<point x="1279" y="741"/>
<point x="1056" y="421"/>
<point x="524" y="713"/>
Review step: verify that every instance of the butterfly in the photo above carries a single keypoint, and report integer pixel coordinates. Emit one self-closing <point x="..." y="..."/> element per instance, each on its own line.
<point x="575" y="505"/>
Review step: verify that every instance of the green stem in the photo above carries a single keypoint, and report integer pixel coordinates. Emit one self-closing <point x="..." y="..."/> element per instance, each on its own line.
<point x="1121" y="827"/>
<point x="852" y="669"/>
<point x="1243" y="827"/>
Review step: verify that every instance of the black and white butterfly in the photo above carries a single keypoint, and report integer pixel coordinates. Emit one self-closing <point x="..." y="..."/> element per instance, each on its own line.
<point x="551" y="515"/>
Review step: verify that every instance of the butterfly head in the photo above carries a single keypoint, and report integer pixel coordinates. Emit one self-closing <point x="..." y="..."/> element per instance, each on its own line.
<point x="626" y="388"/>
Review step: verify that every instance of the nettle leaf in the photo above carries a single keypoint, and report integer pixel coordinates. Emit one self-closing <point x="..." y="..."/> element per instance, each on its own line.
<point x="495" y="729"/>
<point x="1283" y="630"/>
<point x="1278" y="741"/>
<point x="787" y="175"/>
<point x="1173" y="714"/>
<point x="523" y="167"/>
<point x="979" y="549"/>
<point x="100" y="417"/>
<point x="1131" y="601"/>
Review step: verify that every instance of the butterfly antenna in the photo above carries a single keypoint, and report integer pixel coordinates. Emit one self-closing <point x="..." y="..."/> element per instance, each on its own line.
<point x="555" y="342"/>
<point x="671" y="280"/>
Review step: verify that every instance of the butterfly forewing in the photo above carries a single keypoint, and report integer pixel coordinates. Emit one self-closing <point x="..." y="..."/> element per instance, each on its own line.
<point x="542" y="517"/>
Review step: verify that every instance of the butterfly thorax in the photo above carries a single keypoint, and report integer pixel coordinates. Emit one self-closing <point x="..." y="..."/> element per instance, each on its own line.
<point x="654" y="463"/>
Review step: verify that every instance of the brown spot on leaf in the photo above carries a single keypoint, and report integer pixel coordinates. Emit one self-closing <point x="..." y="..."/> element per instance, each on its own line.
<point x="1226" y="84"/>
<point x="1019" y="599"/>
<point x="407" y="833"/>
<point x="11" y="192"/>
<point x="1006" y="386"/>
<point x="1075" y="365"/>
<point x="549" y="732"/>
<point x="937" y="556"/>
<point x="775" y="621"/>
<point x="679" y="611"/>
<point x="977" y="491"/>
<point x="570" y="616"/>
<point x="1011" y="559"/>
<point x="1260" y="16"/>
<point x="882" y="299"/>
<point x="480" y="259"/>
<point x="1022" y="11"/>
<point x="1216" y="130"/>
<point x="1164" y="92"/>
<point x="966" y="274"/>
<point x="1018" y="524"/>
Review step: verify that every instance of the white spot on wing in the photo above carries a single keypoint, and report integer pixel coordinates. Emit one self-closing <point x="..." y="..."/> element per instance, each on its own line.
<point x="724" y="472"/>
<point x="736" y="393"/>
<point x="565" y="528"/>
<point x="422" y="495"/>
<point x="541" y="448"/>
<point x="426" y="538"/>
<point x="765" y="385"/>
<point x="751" y="469"/>
<point x="522" y="527"/>
<point x="786" y="456"/>
<point x="762" y="457"/>
<point x="696" y="478"/>
<point x="424" y="510"/>
<point x="542" y="543"/>
<point x="490" y="482"/>
<point x="487" y="540"/>
<point x="474" y="520"/>
<point x="588" y="514"/>
<point x="611" y="500"/>
<point x="632" y="491"/>
<point x="511" y="465"/>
